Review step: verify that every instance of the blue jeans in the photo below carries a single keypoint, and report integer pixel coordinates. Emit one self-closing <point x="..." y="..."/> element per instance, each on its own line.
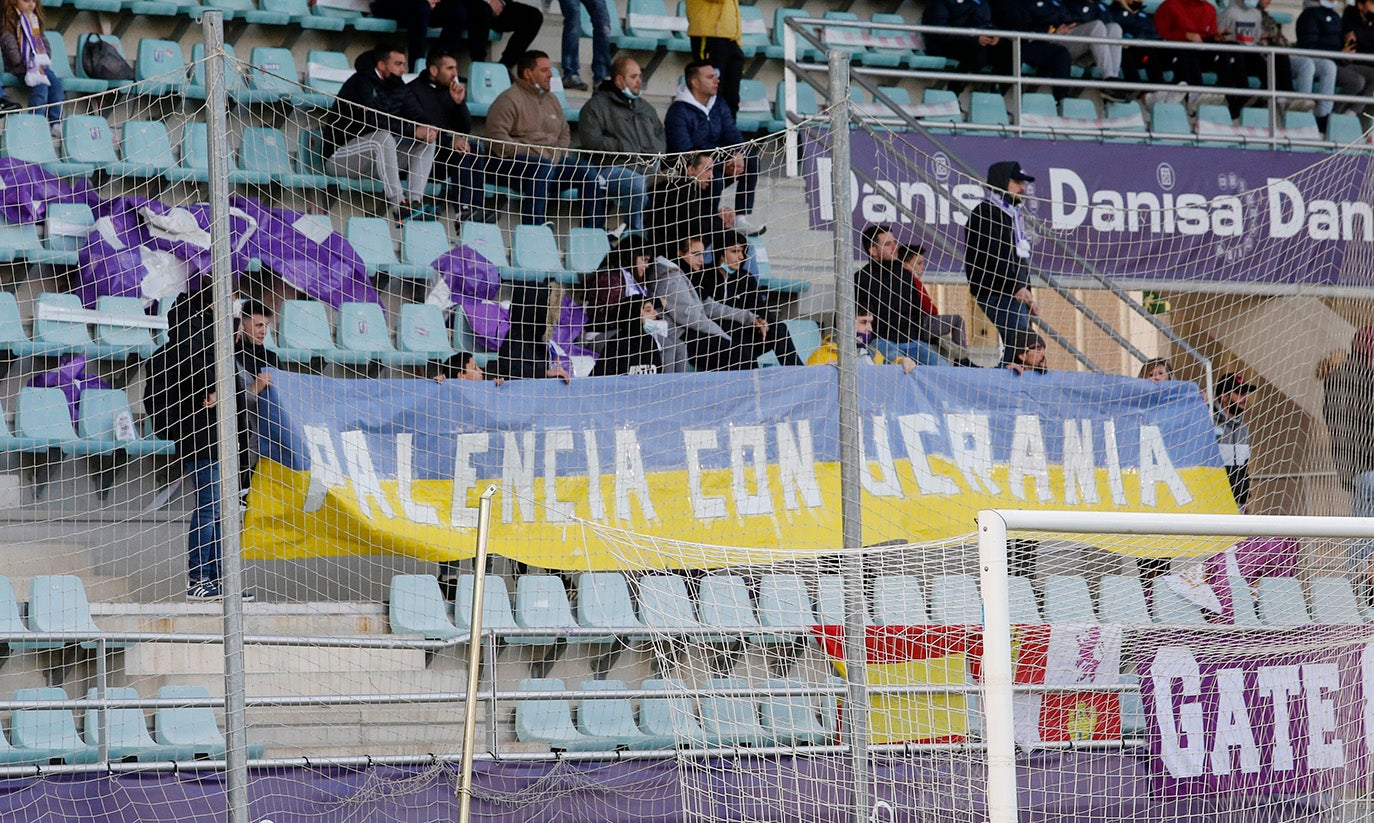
<point x="601" y="37"/>
<point x="50" y="96"/>
<point x="1315" y="76"/>
<point x="628" y="184"/>
<point x="1010" y="316"/>
<point x="202" y="542"/>
<point x="923" y="353"/>
<point x="538" y="179"/>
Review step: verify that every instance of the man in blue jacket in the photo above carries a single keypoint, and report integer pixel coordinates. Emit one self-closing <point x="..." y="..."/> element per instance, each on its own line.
<point x="699" y="121"/>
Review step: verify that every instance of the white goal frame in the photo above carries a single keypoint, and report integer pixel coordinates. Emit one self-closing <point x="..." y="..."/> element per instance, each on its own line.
<point x="994" y="525"/>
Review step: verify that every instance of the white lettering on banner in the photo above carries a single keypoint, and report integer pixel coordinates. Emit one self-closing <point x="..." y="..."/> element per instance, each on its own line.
<point x="556" y="510"/>
<point x="366" y="487"/>
<point x="970" y="441"/>
<point x="1028" y="459"/>
<point x="1233" y="725"/>
<point x="1367" y="682"/>
<point x="797" y="465"/>
<point x="629" y="476"/>
<point x="517" y="477"/>
<point x="752" y="439"/>
<point x="1080" y="473"/>
<point x="1281" y="684"/>
<point x="1156" y="467"/>
<point x="912" y="427"/>
<point x="888" y="484"/>
<point x="704" y="506"/>
<point x="1290" y="213"/>
<point x="405" y="476"/>
<point x="325" y="471"/>
<point x="1114" y="481"/>
<point x="466" y="446"/>
<point x="595" y="504"/>
<point x="1324" y="749"/>
<point x="1187" y="213"/>
<point x="1182" y="759"/>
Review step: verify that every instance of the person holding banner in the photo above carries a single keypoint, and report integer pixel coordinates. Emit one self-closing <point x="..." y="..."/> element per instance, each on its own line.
<point x="1348" y="407"/>
<point x="997" y="254"/>
<point x="1233" y="434"/>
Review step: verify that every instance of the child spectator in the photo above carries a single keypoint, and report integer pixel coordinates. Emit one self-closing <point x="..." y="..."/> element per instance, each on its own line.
<point x="873" y="350"/>
<point x="461" y="366"/>
<point x="734" y="299"/>
<point x="939" y="330"/>
<point x="1028" y="354"/>
<point x="27" y="53"/>
<point x="1156" y="370"/>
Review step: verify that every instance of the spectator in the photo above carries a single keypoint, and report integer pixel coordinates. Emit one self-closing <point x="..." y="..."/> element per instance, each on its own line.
<point x="695" y="122"/>
<point x="1195" y="21"/>
<point x="943" y="331"/>
<point x="737" y="302"/>
<point x="366" y="136"/>
<point x="529" y="139"/>
<point x="252" y="359"/>
<point x="871" y="348"/>
<point x="437" y="97"/>
<point x="889" y="291"/>
<point x="572" y="36"/>
<point x="1233" y="434"/>
<point x="1348" y="407"/>
<point x="461" y="366"/>
<point x="1245" y="22"/>
<point x="614" y="293"/>
<point x="182" y="400"/>
<point x="997" y="254"/>
<point x="477" y="19"/>
<point x="526" y="352"/>
<point x="28" y="56"/>
<point x="1357" y="32"/>
<point x="695" y="337"/>
<point x="1156" y="370"/>
<point x="714" y="29"/>
<point x="1050" y="60"/>
<point x="684" y="205"/>
<point x="1309" y="74"/>
<point x="617" y="120"/>
<point x="416" y="17"/>
<point x="1320" y="28"/>
<point x="639" y="347"/>
<point x="1028" y="354"/>
<point x="971" y="54"/>
<point x="1137" y="27"/>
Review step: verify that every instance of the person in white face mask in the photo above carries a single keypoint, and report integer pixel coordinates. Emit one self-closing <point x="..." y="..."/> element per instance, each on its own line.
<point x="1311" y="75"/>
<point x="1320" y="27"/>
<point x="640" y="346"/>
<point x="1245" y="22"/>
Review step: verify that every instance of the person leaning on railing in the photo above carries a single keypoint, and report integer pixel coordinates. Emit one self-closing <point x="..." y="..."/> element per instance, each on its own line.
<point x="1195" y="21"/>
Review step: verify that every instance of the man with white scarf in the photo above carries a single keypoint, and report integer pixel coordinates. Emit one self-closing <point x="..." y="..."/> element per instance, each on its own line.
<point x="997" y="255"/>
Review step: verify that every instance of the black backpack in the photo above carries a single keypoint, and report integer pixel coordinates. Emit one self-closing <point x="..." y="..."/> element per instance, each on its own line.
<point x="101" y="60"/>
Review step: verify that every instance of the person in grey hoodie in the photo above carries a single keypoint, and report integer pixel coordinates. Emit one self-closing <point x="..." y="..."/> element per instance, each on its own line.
<point x="694" y="337"/>
<point x="621" y="123"/>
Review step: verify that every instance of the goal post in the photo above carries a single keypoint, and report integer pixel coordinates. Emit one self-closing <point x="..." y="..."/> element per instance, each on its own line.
<point x="995" y="529"/>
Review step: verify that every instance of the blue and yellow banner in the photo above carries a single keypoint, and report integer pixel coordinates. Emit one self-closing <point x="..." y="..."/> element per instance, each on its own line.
<point x="588" y="472"/>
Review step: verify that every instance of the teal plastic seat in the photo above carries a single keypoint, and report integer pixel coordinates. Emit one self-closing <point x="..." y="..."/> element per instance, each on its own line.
<point x="763" y="267"/>
<point x="233" y="75"/>
<point x="842" y="38"/>
<point x="784" y="603"/>
<point x="622" y="41"/>
<point x="806" y="336"/>
<point x="806" y="103"/>
<point x="159" y="68"/>
<point x="1169" y="607"/>
<point x="603" y="602"/>
<point x="1170" y="119"/>
<point x="19" y="241"/>
<point x="1344" y="128"/>
<point x="1243" y="603"/>
<point x="87" y="144"/>
<point x="13" y="338"/>
<point x="1068" y="600"/>
<point x="1281" y="602"/>
<point x="54" y="335"/>
<point x="907" y="48"/>
<point x="731" y="721"/>
<point x="899" y="601"/>
<point x="193" y="727"/>
<point x="127" y="729"/>
<point x="325" y="71"/>
<point x="723" y="603"/>
<point x="587" y="249"/>
<point x="416" y="606"/>
<point x="614" y="719"/>
<point x="100" y="410"/>
<point x="364" y="337"/>
<point x="1123" y="117"/>
<point x="422" y="242"/>
<point x="50" y="733"/>
<point x="57" y="603"/>
<point x="486" y="81"/>
<point x="535" y="249"/>
<point x="370" y="237"/>
<point x="755" y="111"/>
<point x="273" y="77"/>
<point x="805" y="51"/>
<point x="830" y="593"/>
<point x="420" y="330"/>
<point x="671" y="716"/>
<point x="114" y="335"/>
<point x="664" y="605"/>
<point x="297" y="12"/>
<point x="81" y="53"/>
<point x="68" y="225"/>
<point x="955" y="601"/>
<point x="486" y="240"/>
<point x="754" y="37"/>
<point x="146" y="149"/>
<point x="1333" y="602"/>
<point x="988" y="109"/>
<point x="1021" y="603"/>
<point x="550" y="721"/>
<point x="10" y="622"/>
<point x="649" y="20"/>
<point x="62" y="67"/>
<point x="541" y="603"/>
<point x="792" y="720"/>
<point x="465" y="340"/>
<point x="265" y="158"/>
<point x="1214" y="120"/>
<point x="26" y="137"/>
<point x="496" y="610"/>
<point x="303" y="332"/>
<point x="10" y="442"/>
<point x="1302" y="125"/>
<point x="194" y="164"/>
<point x="1121" y="600"/>
<point x="1038" y="110"/>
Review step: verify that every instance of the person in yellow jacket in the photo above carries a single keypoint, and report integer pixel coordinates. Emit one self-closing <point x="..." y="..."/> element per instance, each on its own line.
<point x="872" y="349"/>
<point x="715" y="30"/>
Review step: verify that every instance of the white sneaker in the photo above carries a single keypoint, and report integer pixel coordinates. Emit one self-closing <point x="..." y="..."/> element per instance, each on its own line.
<point x="746" y="226"/>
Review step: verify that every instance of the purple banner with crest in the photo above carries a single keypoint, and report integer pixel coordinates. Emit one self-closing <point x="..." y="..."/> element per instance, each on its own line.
<point x="1271" y="712"/>
<point x="1170" y="215"/>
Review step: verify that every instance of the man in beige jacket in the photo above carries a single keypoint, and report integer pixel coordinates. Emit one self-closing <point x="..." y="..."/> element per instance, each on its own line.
<point x="715" y="30"/>
<point x="528" y="139"/>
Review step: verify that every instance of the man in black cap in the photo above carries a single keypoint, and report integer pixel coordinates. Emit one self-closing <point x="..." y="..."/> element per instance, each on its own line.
<point x="1233" y="434"/>
<point x="997" y="255"/>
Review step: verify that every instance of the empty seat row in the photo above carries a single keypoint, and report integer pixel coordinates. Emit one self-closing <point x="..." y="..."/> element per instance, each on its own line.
<point x="42" y="736"/>
<point x="724" y="720"/>
<point x="304" y="334"/>
<point x="62" y="325"/>
<point x="533" y="255"/>
<point x="104" y="425"/>
<point x="57" y="604"/>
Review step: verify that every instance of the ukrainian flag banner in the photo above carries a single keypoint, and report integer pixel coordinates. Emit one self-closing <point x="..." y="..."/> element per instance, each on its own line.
<point x="746" y="460"/>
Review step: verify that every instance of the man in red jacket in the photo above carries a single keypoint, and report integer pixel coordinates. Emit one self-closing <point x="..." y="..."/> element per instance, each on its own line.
<point x="1195" y="21"/>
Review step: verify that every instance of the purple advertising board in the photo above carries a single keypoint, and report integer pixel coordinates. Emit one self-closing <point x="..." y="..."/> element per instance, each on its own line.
<point x="1182" y="216"/>
<point x="1272" y="712"/>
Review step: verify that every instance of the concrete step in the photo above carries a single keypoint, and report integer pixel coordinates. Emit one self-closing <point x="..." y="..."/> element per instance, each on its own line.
<point x="27" y="559"/>
<point x="325" y="619"/>
<point x="269" y="683"/>
<point x="150" y="659"/>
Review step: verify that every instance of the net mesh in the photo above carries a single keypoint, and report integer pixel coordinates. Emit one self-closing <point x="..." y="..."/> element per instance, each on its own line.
<point x="669" y="548"/>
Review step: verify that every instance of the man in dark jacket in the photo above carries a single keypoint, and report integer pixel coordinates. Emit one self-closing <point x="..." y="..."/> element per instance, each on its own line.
<point x="884" y="288"/>
<point x="1137" y="27"/>
<point x="366" y="134"/>
<point x="638" y="347"/>
<point x="1357" y="37"/>
<point x="252" y="359"/>
<point x="698" y="121"/>
<point x="437" y="97"/>
<point x="618" y="120"/>
<point x="738" y="303"/>
<point x="685" y="205"/>
<point x="972" y="54"/>
<point x="997" y="253"/>
<point x="1048" y="16"/>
